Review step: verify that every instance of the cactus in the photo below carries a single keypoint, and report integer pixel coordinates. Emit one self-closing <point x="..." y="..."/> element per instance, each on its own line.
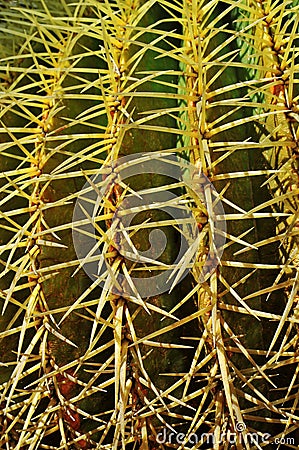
<point x="95" y="353"/>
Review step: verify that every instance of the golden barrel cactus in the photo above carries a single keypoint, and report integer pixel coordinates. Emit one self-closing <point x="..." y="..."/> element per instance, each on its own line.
<point x="140" y="138"/>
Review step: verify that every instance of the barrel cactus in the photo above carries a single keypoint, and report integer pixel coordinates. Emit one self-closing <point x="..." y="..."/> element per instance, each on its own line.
<point x="140" y="141"/>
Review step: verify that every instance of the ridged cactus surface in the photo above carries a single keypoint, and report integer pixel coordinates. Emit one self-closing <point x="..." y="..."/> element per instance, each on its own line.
<point x="126" y="128"/>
